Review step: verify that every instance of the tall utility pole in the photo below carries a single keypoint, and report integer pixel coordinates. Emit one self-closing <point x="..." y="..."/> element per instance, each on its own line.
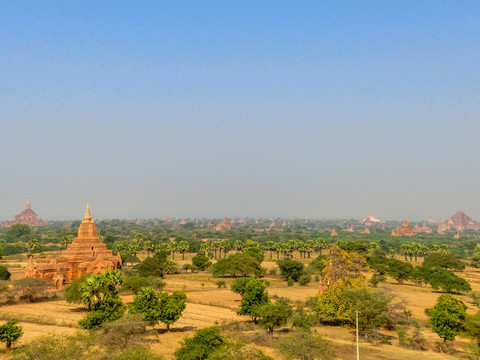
<point x="356" y="326"/>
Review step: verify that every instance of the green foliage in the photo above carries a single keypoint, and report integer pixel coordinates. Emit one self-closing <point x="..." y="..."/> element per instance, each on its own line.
<point x="136" y="353"/>
<point x="378" y="261"/>
<point x="171" y="267"/>
<point x="303" y="320"/>
<point x="2" y="251"/>
<point x="272" y="316"/>
<point x="446" y="316"/>
<point x="372" y="306"/>
<point x="241" y="264"/>
<point x="399" y="270"/>
<point x="472" y="327"/>
<point x="475" y="260"/>
<point x="4" y="274"/>
<point x="410" y="336"/>
<point x="253" y="298"/>
<point x="304" y="280"/>
<point x="443" y="260"/>
<point x="147" y="303"/>
<point x="306" y="346"/>
<point x="172" y="307"/>
<point x="99" y="293"/>
<point x="290" y="282"/>
<point x="291" y="269"/>
<point x="201" y="261"/>
<point x="159" y="307"/>
<point x="153" y="266"/>
<point x="201" y="345"/>
<point x="109" y="309"/>
<point x="221" y="284"/>
<point x="17" y="232"/>
<point x="376" y="279"/>
<point x="133" y="284"/>
<point x="10" y="332"/>
<point x="238" y="286"/>
<point x="317" y="265"/>
<point x="74" y="290"/>
<point x="447" y="281"/>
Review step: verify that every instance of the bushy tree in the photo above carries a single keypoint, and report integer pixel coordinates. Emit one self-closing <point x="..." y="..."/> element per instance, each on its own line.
<point x="201" y="345"/>
<point x="241" y="264"/>
<point x="239" y="285"/>
<point x="154" y="266"/>
<point x="317" y="265"/>
<point x="446" y="316"/>
<point x="10" y="332"/>
<point x="372" y="305"/>
<point x="201" y="261"/>
<point x="253" y="298"/>
<point x="238" y="351"/>
<point x="472" y="327"/>
<point x="134" y="284"/>
<point x="17" y="232"/>
<point x="291" y="269"/>
<point x="447" y="281"/>
<point x="302" y="319"/>
<point x="399" y="270"/>
<point x="442" y="260"/>
<point x="74" y="291"/>
<point x="172" y="307"/>
<point x="274" y="315"/>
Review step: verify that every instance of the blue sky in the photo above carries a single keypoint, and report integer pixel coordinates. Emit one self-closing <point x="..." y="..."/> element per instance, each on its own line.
<point x="272" y="108"/>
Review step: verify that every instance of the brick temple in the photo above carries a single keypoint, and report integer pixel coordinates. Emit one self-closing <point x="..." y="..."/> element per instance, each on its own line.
<point x="404" y="230"/>
<point x="26" y="217"/>
<point x="86" y="254"/>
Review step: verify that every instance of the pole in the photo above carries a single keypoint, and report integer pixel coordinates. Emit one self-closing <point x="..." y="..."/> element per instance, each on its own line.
<point x="356" y="326"/>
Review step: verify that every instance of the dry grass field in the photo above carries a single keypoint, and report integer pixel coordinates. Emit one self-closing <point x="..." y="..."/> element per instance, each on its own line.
<point x="209" y="305"/>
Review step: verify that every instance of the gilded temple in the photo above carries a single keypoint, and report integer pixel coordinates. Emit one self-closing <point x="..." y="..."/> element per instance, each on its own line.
<point x="86" y="254"/>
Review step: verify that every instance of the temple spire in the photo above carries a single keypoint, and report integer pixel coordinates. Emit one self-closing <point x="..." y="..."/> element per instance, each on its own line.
<point x="87" y="214"/>
<point x="28" y="204"/>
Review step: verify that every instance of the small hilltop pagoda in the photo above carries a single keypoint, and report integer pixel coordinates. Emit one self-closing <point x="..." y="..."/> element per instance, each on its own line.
<point x="86" y="254"/>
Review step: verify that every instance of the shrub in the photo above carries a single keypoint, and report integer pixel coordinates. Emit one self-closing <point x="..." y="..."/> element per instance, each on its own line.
<point x="201" y="345"/>
<point x="238" y="351"/>
<point x="290" y="282"/>
<point x="304" y="280"/>
<point x="306" y="346"/>
<point x="120" y="333"/>
<point x="376" y="279"/>
<point x="273" y="272"/>
<point x="201" y="261"/>
<point x="4" y="274"/>
<point x="136" y="353"/>
<point x="10" y="332"/>
<point x="110" y="309"/>
<point x="317" y="265"/>
<point x="221" y="284"/>
<point x="291" y="269"/>
<point x="133" y="284"/>
<point x="32" y="289"/>
<point x="153" y="266"/>
<point x="302" y="320"/>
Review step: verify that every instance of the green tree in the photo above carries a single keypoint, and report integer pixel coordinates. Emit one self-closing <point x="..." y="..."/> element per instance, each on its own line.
<point x="253" y="298"/>
<point x="445" y="261"/>
<point x="33" y="245"/>
<point x="183" y="246"/>
<point x="446" y="316"/>
<point x="399" y="270"/>
<point x="10" y="332"/>
<point x="154" y="266"/>
<point x="201" y="345"/>
<point x="472" y="327"/>
<point x="74" y="290"/>
<point x="239" y="285"/>
<point x="148" y="245"/>
<point x="291" y="269"/>
<point x="201" y="261"/>
<point x="274" y="315"/>
<point x="447" y="281"/>
<point x="17" y="232"/>
<point x="147" y="303"/>
<point x="172" y="307"/>
<point x="134" y="284"/>
<point x="240" y="264"/>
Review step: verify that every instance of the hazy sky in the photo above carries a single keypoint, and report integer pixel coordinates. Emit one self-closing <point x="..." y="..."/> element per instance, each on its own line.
<point x="248" y="108"/>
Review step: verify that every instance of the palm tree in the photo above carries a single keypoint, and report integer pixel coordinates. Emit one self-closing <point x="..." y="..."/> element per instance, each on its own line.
<point x="239" y="246"/>
<point x="91" y="292"/>
<point x="65" y="241"/>
<point x="415" y="249"/>
<point x="33" y="245"/>
<point x="204" y="247"/>
<point x="173" y="247"/>
<point x="138" y="239"/>
<point x="182" y="247"/>
<point x="215" y="245"/>
<point x="320" y="245"/>
<point x="310" y="245"/>
<point x="270" y="245"/>
<point x="148" y="245"/>
<point x="405" y="249"/>
<point x="292" y="246"/>
<point x="302" y="248"/>
<point x="224" y="244"/>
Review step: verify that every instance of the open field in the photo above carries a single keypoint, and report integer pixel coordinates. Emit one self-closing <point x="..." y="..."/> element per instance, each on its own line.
<point x="209" y="305"/>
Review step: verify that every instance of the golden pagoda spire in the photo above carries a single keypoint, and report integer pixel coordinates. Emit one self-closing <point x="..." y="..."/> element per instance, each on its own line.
<point x="87" y="214"/>
<point x="28" y="204"/>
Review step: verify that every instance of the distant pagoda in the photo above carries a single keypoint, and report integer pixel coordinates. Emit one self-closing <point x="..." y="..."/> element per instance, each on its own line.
<point x="26" y="217"/>
<point x="224" y="225"/>
<point x="459" y="222"/>
<point x="86" y="254"/>
<point x="404" y="230"/>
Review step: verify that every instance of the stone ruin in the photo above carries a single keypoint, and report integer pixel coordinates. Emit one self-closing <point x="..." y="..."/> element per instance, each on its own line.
<point x="86" y="254"/>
